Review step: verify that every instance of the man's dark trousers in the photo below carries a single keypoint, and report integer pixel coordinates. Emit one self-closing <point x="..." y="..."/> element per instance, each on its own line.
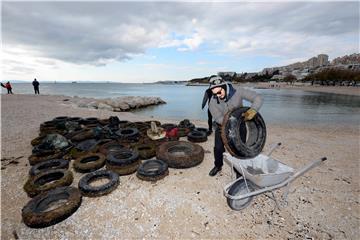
<point x="219" y="148"/>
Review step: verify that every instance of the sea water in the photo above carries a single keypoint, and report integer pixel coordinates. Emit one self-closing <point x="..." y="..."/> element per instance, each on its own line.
<point x="280" y="105"/>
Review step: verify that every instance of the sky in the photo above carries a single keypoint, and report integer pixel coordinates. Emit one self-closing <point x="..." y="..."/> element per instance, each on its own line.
<point x="156" y="41"/>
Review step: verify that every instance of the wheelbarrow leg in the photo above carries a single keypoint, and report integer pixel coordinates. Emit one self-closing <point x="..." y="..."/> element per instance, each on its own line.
<point x="285" y="195"/>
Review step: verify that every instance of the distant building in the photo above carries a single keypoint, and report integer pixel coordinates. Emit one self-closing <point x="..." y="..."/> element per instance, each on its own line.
<point x="323" y="59"/>
<point x="313" y="62"/>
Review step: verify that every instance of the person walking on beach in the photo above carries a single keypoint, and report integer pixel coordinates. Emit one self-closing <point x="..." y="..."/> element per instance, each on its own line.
<point x="9" y="88"/>
<point x="36" y="84"/>
<point x="224" y="98"/>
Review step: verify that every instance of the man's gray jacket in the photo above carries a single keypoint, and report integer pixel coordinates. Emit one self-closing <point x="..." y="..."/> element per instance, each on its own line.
<point x="234" y="99"/>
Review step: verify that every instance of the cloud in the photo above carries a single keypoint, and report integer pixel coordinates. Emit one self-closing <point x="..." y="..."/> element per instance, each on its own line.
<point x="99" y="33"/>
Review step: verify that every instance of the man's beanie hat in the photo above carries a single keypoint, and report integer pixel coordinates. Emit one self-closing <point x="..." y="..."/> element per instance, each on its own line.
<point x="216" y="82"/>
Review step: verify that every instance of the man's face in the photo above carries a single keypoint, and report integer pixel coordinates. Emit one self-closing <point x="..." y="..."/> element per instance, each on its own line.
<point x="219" y="92"/>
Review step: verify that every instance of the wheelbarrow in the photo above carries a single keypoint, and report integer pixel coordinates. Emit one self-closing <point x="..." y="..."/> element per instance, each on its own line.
<point x="260" y="175"/>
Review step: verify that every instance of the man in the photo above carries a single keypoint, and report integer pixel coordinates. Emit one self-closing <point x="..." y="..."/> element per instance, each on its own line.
<point x="9" y="88"/>
<point x="224" y="98"/>
<point x="36" y="84"/>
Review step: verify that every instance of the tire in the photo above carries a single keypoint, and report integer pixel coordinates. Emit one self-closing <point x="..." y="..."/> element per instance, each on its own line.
<point x="128" y="133"/>
<point x="186" y="124"/>
<point x="83" y="135"/>
<point x="152" y="170"/>
<point x="47" y="165"/>
<point x="180" y="154"/>
<point x="230" y="134"/>
<point x="88" y="121"/>
<point x="47" y="124"/>
<point x="60" y="119"/>
<point x="124" y="170"/>
<point x="205" y="130"/>
<point x="48" y="180"/>
<point x="96" y="191"/>
<point x="122" y="158"/>
<point x="89" y="162"/>
<point x="75" y="119"/>
<point x="104" y="122"/>
<point x="87" y="145"/>
<point x="109" y="147"/>
<point x="33" y="159"/>
<point x="240" y="188"/>
<point x="123" y="123"/>
<point x="35" y="214"/>
<point x="37" y="140"/>
<point x="145" y="151"/>
<point x="196" y="136"/>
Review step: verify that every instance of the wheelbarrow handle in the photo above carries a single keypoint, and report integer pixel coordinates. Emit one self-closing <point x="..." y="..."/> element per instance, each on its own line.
<point x="273" y="148"/>
<point x="306" y="168"/>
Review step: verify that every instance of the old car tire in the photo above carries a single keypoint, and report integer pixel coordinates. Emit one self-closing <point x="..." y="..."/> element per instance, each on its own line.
<point x="89" y="162"/>
<point x="109" y="147"/>
<point x="180" y="154"/>
<point x="83" y="135"/>
<point x="146" y="151"/>
<point x="96" y="191"/>
<point x="47" y="165"/>
<point x="125" y="169"/>
<point x="128" y="133"/>
<point x="37" y="140"/>
<point x="152" y="170"/>
<point x="122" y="158"/>
<point x="123" y="162"/>
<point x="196" y="136"/>
<point x="35" y="214"/>
<point x="205" y="130"/>
<point x="33" y="159"/>
<point x="48" y="180"/>
<point x="230" y="133"/>
<point x="239" y="188"/>
<point x="87" y="145"/>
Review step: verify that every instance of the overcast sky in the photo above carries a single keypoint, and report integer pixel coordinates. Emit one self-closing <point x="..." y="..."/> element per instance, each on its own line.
<point x="145" y="42"/>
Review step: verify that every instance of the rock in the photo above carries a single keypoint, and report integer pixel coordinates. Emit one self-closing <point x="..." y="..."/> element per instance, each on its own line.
<point x="105" y="106"/>
<point x="93" y="104"/>
<point x="119" y="104"/>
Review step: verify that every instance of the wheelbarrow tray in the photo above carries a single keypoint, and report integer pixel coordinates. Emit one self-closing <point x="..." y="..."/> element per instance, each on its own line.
<point x="261" y="170"/>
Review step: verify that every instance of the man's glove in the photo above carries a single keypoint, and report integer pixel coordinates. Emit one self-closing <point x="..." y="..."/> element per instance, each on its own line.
<point x="249" y="114"/>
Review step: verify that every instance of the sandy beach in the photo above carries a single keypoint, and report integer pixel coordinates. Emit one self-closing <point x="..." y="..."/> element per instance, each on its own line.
<point x="322" y="204"/>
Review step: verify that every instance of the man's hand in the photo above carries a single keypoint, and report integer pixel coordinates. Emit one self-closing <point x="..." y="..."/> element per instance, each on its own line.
<point x="249" y="114"/>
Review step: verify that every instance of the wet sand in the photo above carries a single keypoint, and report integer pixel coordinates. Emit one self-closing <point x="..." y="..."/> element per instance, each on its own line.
<point x="323" y="204"/>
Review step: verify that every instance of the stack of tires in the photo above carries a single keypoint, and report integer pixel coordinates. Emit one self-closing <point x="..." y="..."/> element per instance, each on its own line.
<point x="99" y="149"/>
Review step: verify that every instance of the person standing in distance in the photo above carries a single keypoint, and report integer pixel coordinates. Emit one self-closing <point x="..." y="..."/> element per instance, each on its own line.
<point x="225" y="98"/>
<point x="36" y="84"/>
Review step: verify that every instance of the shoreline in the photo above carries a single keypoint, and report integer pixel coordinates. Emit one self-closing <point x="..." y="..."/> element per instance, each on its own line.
<point x="188" y="203"/>
<point x="344" y="90"/>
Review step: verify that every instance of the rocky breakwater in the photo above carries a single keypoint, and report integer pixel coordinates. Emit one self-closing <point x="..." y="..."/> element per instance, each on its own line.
<point x="119" y="104"/>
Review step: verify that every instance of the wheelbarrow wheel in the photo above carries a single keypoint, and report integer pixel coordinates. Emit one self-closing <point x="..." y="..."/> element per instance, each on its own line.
<point x="239" y="188"/>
